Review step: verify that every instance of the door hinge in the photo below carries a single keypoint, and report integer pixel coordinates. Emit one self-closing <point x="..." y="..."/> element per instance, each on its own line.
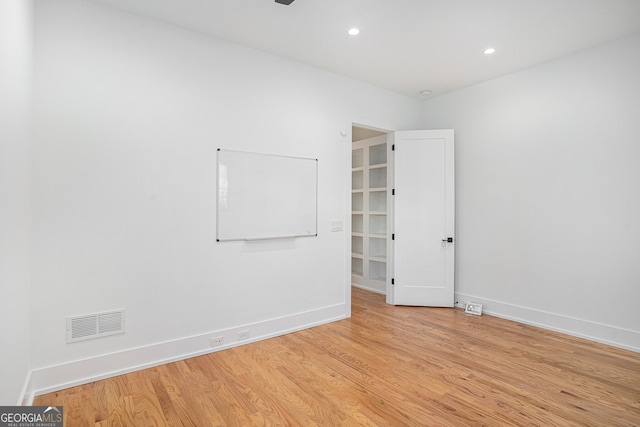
<point x="393" y="191"/>
<point x="393" y="147"/>
<point x="393" y="281"/>
<point x="393" y="236"/>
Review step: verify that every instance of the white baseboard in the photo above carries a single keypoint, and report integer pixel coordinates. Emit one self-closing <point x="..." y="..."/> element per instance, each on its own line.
<point x="367" y="288"/>
<point x="593" y="331"/>
<point x="71" y="374"/>
<point x="25" y="399"/>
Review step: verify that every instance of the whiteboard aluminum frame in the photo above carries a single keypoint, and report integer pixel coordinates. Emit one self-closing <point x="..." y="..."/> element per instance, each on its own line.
<point x="265" y="237"/>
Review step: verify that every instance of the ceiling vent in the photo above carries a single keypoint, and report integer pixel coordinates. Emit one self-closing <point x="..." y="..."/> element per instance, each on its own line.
<point x="89" y="326"/>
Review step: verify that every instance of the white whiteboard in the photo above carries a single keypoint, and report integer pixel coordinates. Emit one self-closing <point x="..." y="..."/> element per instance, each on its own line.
<point x="265" y="196"/>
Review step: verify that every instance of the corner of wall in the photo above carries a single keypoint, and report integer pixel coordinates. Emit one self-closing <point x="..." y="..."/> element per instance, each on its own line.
<point x="16" y="63"/>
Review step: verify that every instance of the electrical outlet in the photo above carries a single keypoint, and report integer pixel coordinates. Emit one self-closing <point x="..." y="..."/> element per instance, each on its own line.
<point x="473" y="308"/>
<point x="336" y="225"/>
<point x="243" y="335"/>
<point x="216" y="342"/>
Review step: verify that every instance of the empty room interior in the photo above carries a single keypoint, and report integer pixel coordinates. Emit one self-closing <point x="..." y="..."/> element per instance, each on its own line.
<point x="212" y="212"/>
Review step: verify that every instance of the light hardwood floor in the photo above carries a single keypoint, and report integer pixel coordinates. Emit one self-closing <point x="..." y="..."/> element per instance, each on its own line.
<point x="385" y="366"/>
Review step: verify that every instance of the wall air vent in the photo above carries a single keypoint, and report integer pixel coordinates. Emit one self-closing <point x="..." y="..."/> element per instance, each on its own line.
<point x="95" y="325"/>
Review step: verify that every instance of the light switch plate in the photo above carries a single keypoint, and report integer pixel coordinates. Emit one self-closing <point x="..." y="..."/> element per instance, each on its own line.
<point x="336" y="225"/>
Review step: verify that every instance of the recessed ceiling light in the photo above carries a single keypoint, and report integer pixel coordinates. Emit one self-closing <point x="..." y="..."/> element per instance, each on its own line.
<point x="425" y="92"/>
<point x="354" y="32"/>
<point x="489" y="50"/>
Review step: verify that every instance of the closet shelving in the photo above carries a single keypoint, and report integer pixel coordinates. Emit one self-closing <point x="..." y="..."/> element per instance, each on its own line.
<point x="369" y="205"/>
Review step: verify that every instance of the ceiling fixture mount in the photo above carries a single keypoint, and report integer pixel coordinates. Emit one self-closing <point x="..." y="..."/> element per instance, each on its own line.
<point x="285" y="2"/>
<point x="489" y="50"/>
<point x="425" y="92"/>
<point x="353" y="31"/>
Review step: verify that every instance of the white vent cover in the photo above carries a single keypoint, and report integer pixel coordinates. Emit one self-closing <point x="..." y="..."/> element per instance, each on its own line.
<point x="95" y="325"/>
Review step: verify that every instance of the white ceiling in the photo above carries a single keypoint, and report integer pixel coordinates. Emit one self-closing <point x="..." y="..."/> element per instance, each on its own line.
<point x="406" y="45"/>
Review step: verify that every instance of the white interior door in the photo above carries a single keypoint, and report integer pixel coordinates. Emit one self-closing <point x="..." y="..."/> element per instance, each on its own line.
<point x="423" y="219"/>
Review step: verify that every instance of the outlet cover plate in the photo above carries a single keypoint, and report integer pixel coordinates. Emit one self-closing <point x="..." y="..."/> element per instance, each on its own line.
<point x="473" y="308"/>
<point x="216" y="342"/>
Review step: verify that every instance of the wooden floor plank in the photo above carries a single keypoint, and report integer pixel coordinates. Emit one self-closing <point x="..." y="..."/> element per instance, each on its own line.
<point x="386" y="365"/>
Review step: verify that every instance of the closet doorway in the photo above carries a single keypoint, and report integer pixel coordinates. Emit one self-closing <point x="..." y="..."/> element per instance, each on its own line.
<point x="370" y="203"/>
<point x="403" y="215"/>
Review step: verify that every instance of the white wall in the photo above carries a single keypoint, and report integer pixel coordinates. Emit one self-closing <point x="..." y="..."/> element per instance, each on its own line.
<point x="16" y="51"/>
<point x="129" y="114"/>
<point x="548" y="192"/>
